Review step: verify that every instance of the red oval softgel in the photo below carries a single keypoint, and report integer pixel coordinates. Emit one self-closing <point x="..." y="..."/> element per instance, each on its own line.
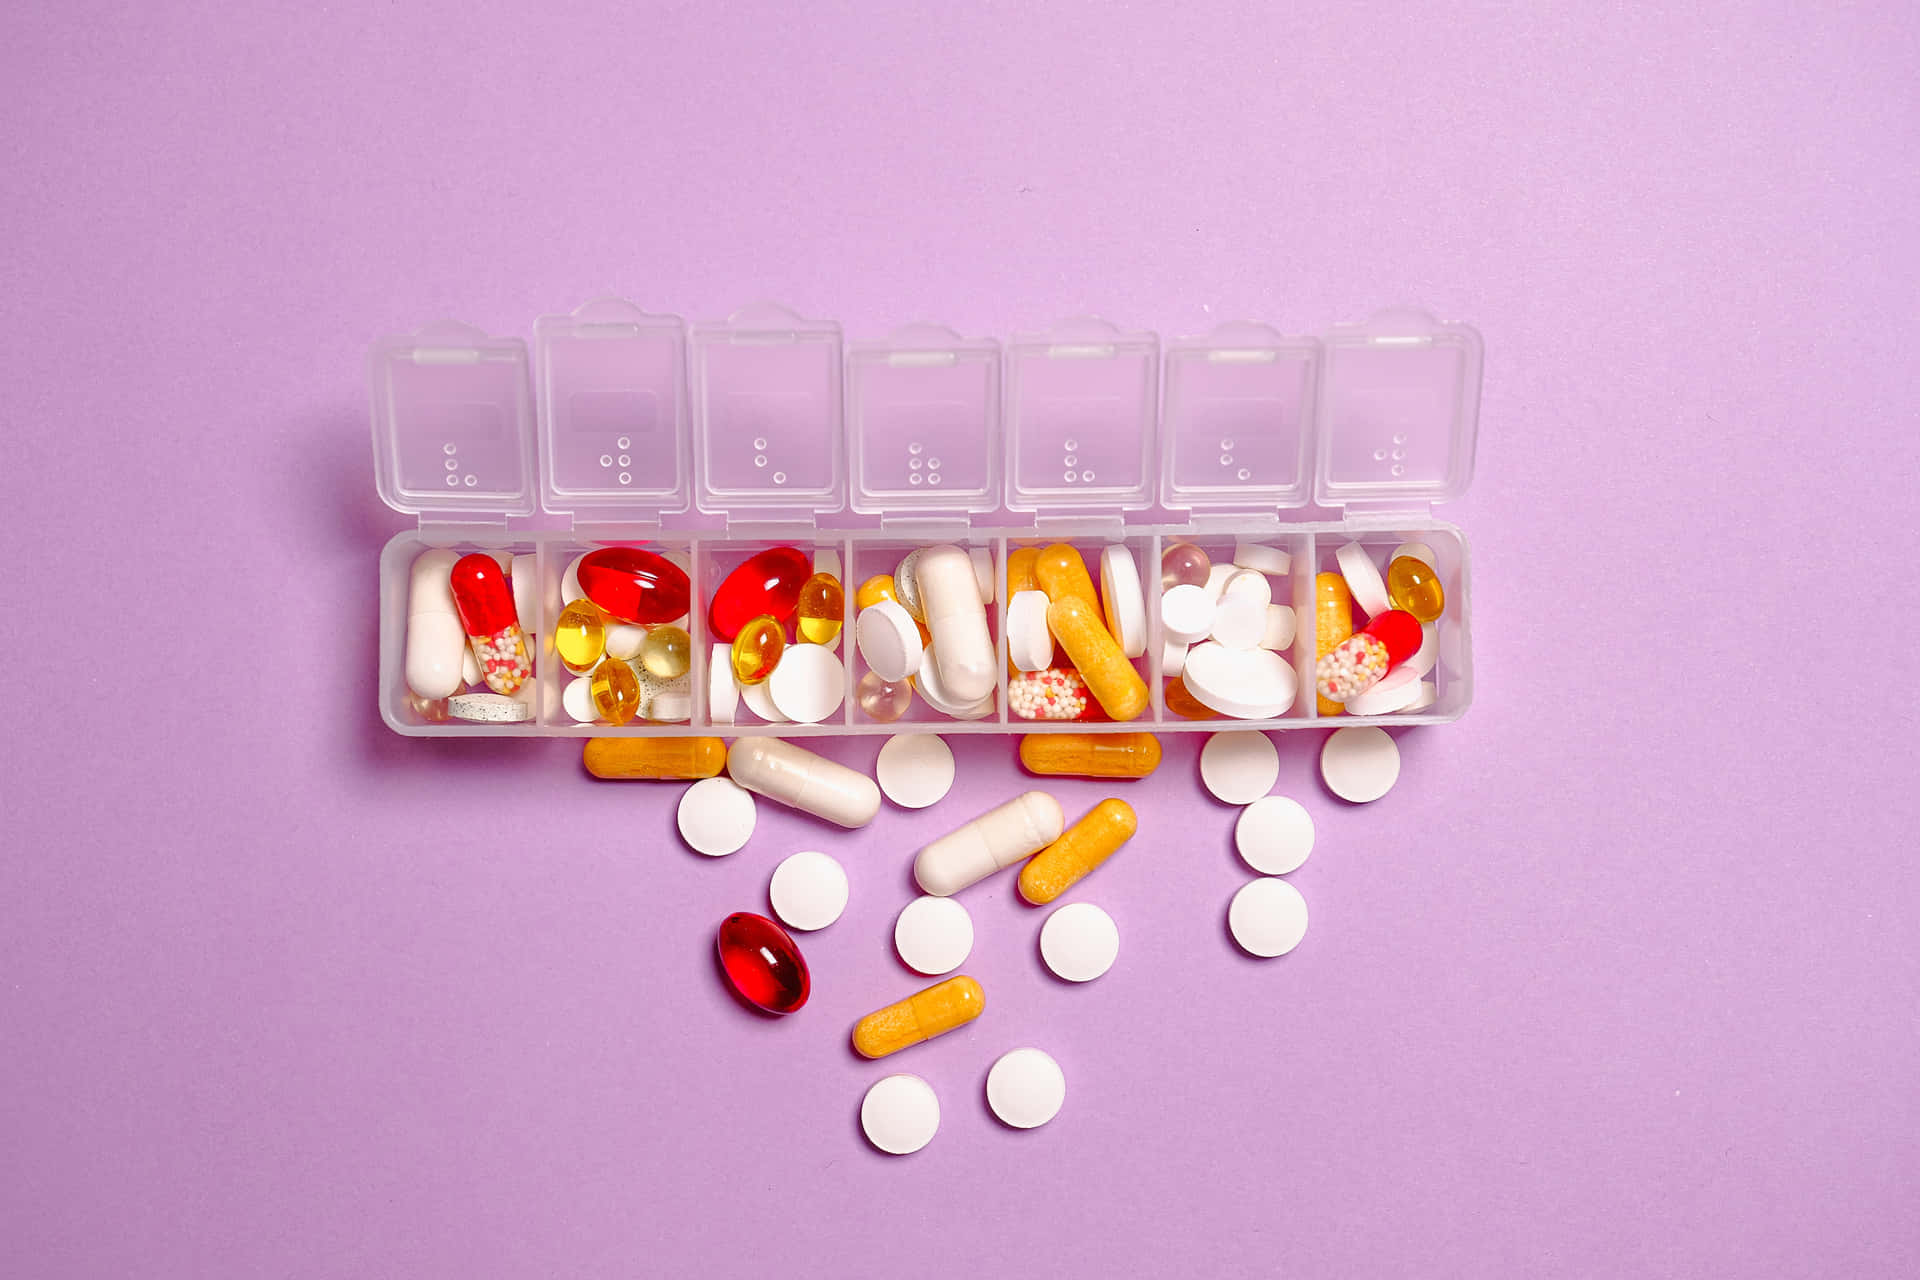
<point x="635" y="585"/>
<point x="768" y="583"/>
<point x="762" y="964"/>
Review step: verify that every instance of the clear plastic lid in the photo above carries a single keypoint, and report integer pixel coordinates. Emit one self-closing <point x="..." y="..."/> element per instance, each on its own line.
<point x="612" y="386"/>
<point x="766" y="415"/>
<point x="1237" y="423"/>
<point x="1082" y="405"/>
<point x="1399" y="407"/>
<point x="923" y="422"/>
<point x="453" y="425"/>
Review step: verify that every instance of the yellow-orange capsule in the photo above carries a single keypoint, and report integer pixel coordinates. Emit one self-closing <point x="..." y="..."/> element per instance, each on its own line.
<point x="1110" y="678"/>
<point x="1081" y="847"/>
<point x="921" y="1016"/>
<point x="654" y="757"/>
<point x="1332" y="623"/>
<point x="1091" y="755"/>
<point x="1020" y="571"/>
<point x="1181" y="702"/>
<point x="1061" y="573"/>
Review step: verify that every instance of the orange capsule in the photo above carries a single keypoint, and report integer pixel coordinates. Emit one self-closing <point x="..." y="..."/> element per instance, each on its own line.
<point x="1182" y="703"/>
<point x="1091" y="755"/>
<point x="921" y="1016"/>
<point x="1332" y="623"/>
<point x="1061" y="573"/>
<point x="624" y="758"/>
<point x="1020" y="571"/>
<point x="1081" y="848"/>
<point x="1110" y="678"/>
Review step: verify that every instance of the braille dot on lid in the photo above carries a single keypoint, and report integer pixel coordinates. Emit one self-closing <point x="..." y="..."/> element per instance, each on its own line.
<point x="472" y="480"/>
<point x="1227" y="443"/>
<point x="1400" y="439"/>
<point x="1072" y="445"/>
<point x="779" y="477"/>
<point x="1226" y="459"/>
<point x="626" y="477"/>
<point x="1379" y="455"/>
<point x="914" y="447"/>
<point x="453" y="482"/>
<point x="1244" y="473"/>
<point x="913" y="463"/>
<point x="453" y="464"/>
<point x="914" y="478"/>
<point x="624" y="442"/>
<point x="1398" y="454"/>
<point x="933" y="479"/>
<point x="1071" y="477"/>
<point x="449" y="448"/>
<point x="606" y="459"/>
<point x="760" y="460"/>
<point x="1071" y="460"/>
<point x="626" y="459"/>
<point x="1399" y="470"/>
<point x="760" y="443"/>
<point x="933" y="464"/>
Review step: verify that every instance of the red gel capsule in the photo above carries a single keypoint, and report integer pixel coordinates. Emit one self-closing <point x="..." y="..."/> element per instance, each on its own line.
<point x="761" y="962"/>
<point x="635" y="585"/>
<point x="484" y="598"/>
<point x="768" y="583"/>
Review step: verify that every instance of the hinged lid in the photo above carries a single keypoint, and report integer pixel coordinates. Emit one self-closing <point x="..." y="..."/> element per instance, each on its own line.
<point x="1082" y="405"/>
<point x="1237" y="422"/>
<point x="923" y="423"/>
<point x="453" y="423"/>
<point x="1399" y="407"/>
<point x="611" y="382"/>
<point x="766" y="416"/>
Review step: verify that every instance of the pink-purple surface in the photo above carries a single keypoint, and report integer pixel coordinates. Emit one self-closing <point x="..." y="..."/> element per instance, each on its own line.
<point x="1621" y="979"/>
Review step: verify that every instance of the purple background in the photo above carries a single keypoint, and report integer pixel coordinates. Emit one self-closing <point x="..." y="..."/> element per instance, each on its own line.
<point x="1621" y="979"/>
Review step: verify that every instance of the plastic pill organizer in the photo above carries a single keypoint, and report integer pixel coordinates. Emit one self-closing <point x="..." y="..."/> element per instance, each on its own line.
<point x="711" y="442"/>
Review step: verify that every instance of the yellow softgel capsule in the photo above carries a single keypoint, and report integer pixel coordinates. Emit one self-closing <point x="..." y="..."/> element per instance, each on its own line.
<point x="757" y="650"/>
<point x="1020" y="571"/>
<point x="921" y="1016"/>
<point x="1061" y="573"/>
<point x="1414" y="586"/>
<point x="1110" y="678"/>
<point x="666" y="652"/>
<point x="1181" y="702"/>
<point x="1091" y="755"/>
<point x="822" y="609"/>
<point x="1080" y="849"/>
<point x="625" y="758"/>
<point x="1332" y="623"/>
<point x="616" y="691"/>
<point x="580" y="634"/>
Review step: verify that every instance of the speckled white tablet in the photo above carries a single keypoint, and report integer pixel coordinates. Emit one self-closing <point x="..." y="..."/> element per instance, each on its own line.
<point x="809" y="684"/>
<point x="624" y="640"/>
<point x="1368" y="588"/>
<point x="808" y="891"/>
<point x="1360" y="764"/>
<point x="983" y="572"/>
<point x="900" y="1114"/>
<point x="915" y="769"/>
<point x="933" y="935"/>
<point x="1268" y="917"/>
<point x="1029" y="641"/>
<point x="577" y="700"/>
<point x="1247" y="684"/>
<point x="759" y="700"/>
<point x="1187" y="613"/>
<point x="1262" y="559"/>
<point x="570" y="581"/>
<point x="1239" y="621"/>
<point x="1418" y="550"/>
<point x="716" y="816"/>
<point x="1281" y="625"/>
<point x="1425" y="696"/>
<point x="1026" y="1088"/>
<point x="1123" y="600"/>
<point x="1428" y="653"/>
<point x="723" y="691"/>
<point x="1079" y="942"/>
<point x="1274" y="835"/>
<point x="827" y="560"/>
<point x="1239" y="766"/>
<point x="1391" y="693"/>
<point x="888" y="639"/>
<point x="489" y="708"/>
<point x="1173" y="658"/>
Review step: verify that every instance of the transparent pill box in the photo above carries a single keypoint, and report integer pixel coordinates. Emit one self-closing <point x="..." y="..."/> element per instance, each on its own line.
<point x="711" y="442"/>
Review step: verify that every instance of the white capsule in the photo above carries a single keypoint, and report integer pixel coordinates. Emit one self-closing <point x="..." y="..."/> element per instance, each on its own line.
<point x="957" y="621"/>
<point x="436" y="642"/>
<point x="797" y="777"/>
<point x="993" y="841"/>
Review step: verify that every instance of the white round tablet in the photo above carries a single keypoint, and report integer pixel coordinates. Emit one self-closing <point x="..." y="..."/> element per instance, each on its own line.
<point x="1274" y="835"/>
<point x="1239" y="766"/>
<point x="1217" y="579"/>
<point x="1079" y="942"/>
<point x="624" y="640"/>
<point x="570" y="581"/>
<point x="1123" y="599"/>
<point x="1029" y="641"/>
<point x="1249" y="584"/>
<point x="1281" y="625"/>
<point x="933" y="935"/>
<point x="723" y="691"/>
<point x="1418" y="550"/>
<point x="808" y="890"/>
<point x="1025" y="1088"/>
<point x="1187" y="612"/>
<point x="670" y="706"/>
<point x="1268" y="917"/>
<point x="1173" y="658"/>
<point x="1252" y="555"/>
<point x="983" y="574"/>
<point x="1428" y="654"/>
<point x="1423" y="697"/>
<point x="1360" y="764"/>
<point x="1368" y="588"/>
<point x="1386" y="695"/>
<point x="759" y="700"/>
<point x="1248" y="684"/>
<point x="888" y="639"/>
<point x="716" y="816"/>
<point x="1240" y="621"/>
<point x="577" y="700"/>
<point x="900" y="1114"/>
<point x="809" y="684"/>
<point x="915" y="769"/>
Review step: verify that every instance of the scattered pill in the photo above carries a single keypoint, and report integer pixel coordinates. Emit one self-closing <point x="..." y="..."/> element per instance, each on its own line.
<point x="577" y="700"/>
<point x="1091" y="755"/>
<point x="983" y="574"/>
<point x="1394" y="692"/>
<point x="991" y="842"/>
<point x="1267" y="917"/>
<point x="1280" y="627"/>
<point x="933" y="935"/>
<point x="821" y="610"/>
<point x="808" y="891"/>
<point x="1262" y="559"/>
<point x="882" y="700"/>
<point x="888" y="640"/>
<point x="436" y="642"/>
<point x="759" y="700"/>
<point x="634" y="584"/>
<point x="1274" y="835"/>
<point x="1079" y="851"/>
<point x="1123" y="603"/>
<point x="927" y="1013"/>
<point x="931" y="683"/>
<point x="1026" y="1088"/>
<point x="1413" y="585"/>
<point x="795" y="776"/>
<point x="809" y="684"/>
<point x="716" y="816"/>
<point x="1360" y="764"/>
<point x="1363" y="579"/>
<point x="1062" y="574"/>
<point x="1359" y="662"/>
<point x="1079" y="942"/>
<point x="1187" y="613"/>
<point x="623" y="640"/>
<point x="488" y="708"/>
<point x="762" y="963"/>
<point x="484" y="602"/>
<point x="1029" y="642"/>
<point x="915" y="769"/>
<point x="900" y="1114"/>
<point x="957" y="621"/>
<point x="723" y="691"/>
<point x="1248" y="684"/>
<point x="766" y="584"/>
<point x="1183" y="564"/>
<point x="624" y="758"/>
<point x="1239" y="766"/>
<point x="1092" y="650"/>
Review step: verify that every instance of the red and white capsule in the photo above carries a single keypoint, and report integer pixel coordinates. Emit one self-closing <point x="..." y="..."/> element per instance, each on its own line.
<point x="484" y="596"/>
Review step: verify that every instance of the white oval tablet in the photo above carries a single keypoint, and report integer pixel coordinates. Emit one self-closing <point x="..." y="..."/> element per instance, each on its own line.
<point x="577" y="700"/>
<point x="915" y="769"/>
<point x="1249" y="584"/>
<point x="570" y="581"/>
<point x="900" y="1114"/>
<point x="933" y="935"/>
<point x="1428" y="654"/>
<point x="490" y="708"/>
<point x="723" y="691"/>
<point x="1268" y="917"/>
<point x="1360" y="764"/>
<point x="716" y="816"/>
<point x="1425" y="696"/>
<point x="928" y="685"/>
<point x="759" y="700"/>
<point x="1026" y="1088"/>
<point x="1124" y="602"/>
<point x="1418" y="550"/>
<point x="1173" y="658"/>
<point x="1029" y="641"/>
<point x="888" y="639"/>
<point x="1368" y="588"/>
<point x="1386" y="695"/>
<point x="526" y="602"/>
<point x="1281" y="625"/>
<point x="1262" y="559"/>
<point x="470" y="667"/>
<point x="624" y="640"/>
<point x="1239" y="621"/>
<point x="1187" y="613"/>
<point x="808" y="891"/>
<point x="1248" y="684"/>
<point x="983" y="572"/>
<point x="1274" y="835"/>
<point x="809" y="684"/>
<point x="1239" y="766"/>
<point x="1079" y="942"/>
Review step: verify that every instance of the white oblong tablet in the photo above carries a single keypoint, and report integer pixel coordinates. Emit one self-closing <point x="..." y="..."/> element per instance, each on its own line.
<point x="915" y="769"/>
<point x="624" y="640"/>
<point x="809" y="684"/>
<point x="900" y="1114"/>
<point x="723" y="691"/>
<point x="1428" y="654"/>
<point x="928" y="685"/>
<point x="1122" y="599"/>
<point x="983" y="572"/>
<point x="1368" y="588"/>
<point x="490" y="708"/>
<point x="1281" y="625"/>
<point x="1247" y="684"/>
<point x="1239" y="622"/>
<point x="526" y="600"/>
<point x="1360" y="764"/>
<point x="888" y="639"/>
<point x="1025" y="1088"/>
<point x="1079" y="942"/>
<point x="570" y="581"/>
<point x="1239" y="766"/>
<point x="1391" y="693"/>
<point x="1187" y="613"/>
<point x="1268" y="917"/>
<point x="1262" y="559"/>
<point x="1425" y="696"/>
<point x="716" y="816"/>
<point x="933" y="935"/>
<point x="577" y="700"/>
<point x="1029" y="641"/>
<point x="1173" y="658"/>
<point x="1418" y="550"/>
<point x="759" y="700"/>
<point x="1274" y="835"/>
<point x="808" y="891"/>
<point x="470" y="667"/>
<point x="826" y="560"/>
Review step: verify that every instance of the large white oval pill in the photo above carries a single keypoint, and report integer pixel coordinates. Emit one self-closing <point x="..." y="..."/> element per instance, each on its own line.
<point x="1428" y="654"/>
<point x="1187" y="613"/>
<point x="526" y="600"/>
<point x="915" y="769"/>
<point x="1026" y="1088"/>
<point x="570" y="581"/>
<point x="1240" y="621"/>
<point x="716" y="816"/>
<point x="900" y="1114"/>
<point x="1239" y="766"/>
<point x="1360" y="764"/>
<point x="983" y="574"/>
<point x="1418" y="550"/>
<point x="1368" y="588"/>
<point x="1268" y="917"/>
<point x="808" y="890"/>
<point x="1079" y="942"/>
<point x="888" y="639"/>
<point x="1029" y="641"/>
<point x="809" y="684"/>
<point x="1274" y="835"/>
<point x="1248" y="684"/>
<point x="933" y="935"/>
<point x="1124" y="602"/>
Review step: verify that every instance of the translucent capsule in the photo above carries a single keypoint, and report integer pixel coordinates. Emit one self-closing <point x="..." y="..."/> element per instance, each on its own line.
<point x="1184" y="565"/>
<point x="1076" y="624"/>
<point x="484" y="599"/>
<point x="821" y="609"/>
<point x="1061" y="573"/>
<point x="1356" y="664"/>
<point x="764" y="585"/>
<point x="580" y="634"/>
<point x="666" y="652"/>
<point x="1412" y="585"/>
<point x="1080" y="849"/>
<point x="628" y="758"/>
<point x="1091" y="755"/>
<point x="1182" y="703"/>
<point x="1332" y="623"/>
<point x="883" y="700"/>
<point x="616" y="691"/>
<point x="1052" y="693"/>
<point x="1020" y="571"/>
<point x="921" y="1016"/>
<point x="761" y="963"/>
<point x="757" y="648"/>
<point x="634" y="584"/>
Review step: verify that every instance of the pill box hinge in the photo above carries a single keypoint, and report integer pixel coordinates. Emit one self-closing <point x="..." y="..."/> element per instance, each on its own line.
<point x="1111" y="526"/>
<point x="1359" y="515"/>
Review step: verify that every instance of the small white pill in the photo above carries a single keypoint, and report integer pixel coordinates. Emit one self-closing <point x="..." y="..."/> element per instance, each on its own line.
<point x="1425" y="696"/>
<point x="809" y="684"/>
<point x="1274" y="835"/>
<point x="624" y="640"/>
<point x="1123" y="600"/>
<point x="759" y="700"/>
<point x="1428" y="653"/>
<point x="1418" y="550"/>
<point x="931" y="686"/>
<point x="1026" y="1088"/>
<point x="1029" y="640"/>
<point x="1360" y="764"/>
<point x="1187" y="613"/>
<point x="1239" y="622"/>
<point x="1248" y="584"/>
<point x="1281" y="625"/>
<point x="723" y="691"/>
<point x="888" y="639"/>
<point x="1391" y="693"/>
<point x="1368" y="588"/>
<point x="1079" y="942"/>
<point x="933" y="935"/>
<point x="808" y="891"/>
<point x="900" y="1114"/>
<point x="470" y="668"/>
<point x="670" y="706"/>
<point x="570" y="581"/>
<point x="716" y="816"/>
<point x="679" y="560"/>
<point x="1268" y="917"/>
<point x="526" y="600"/>
<point x="1173" y="658"/>
<point x="1239" y="766"/>
<point x="915" y="769"/>
<point x="1262" y="559"/>
<point x="1217" y="577"/>
<point x="983" y="572"/>
<point x="490" y="708"/>
<point x="827" y="560"/>
<point x="1248" y="684"/>
<point x="577" y="700"/>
